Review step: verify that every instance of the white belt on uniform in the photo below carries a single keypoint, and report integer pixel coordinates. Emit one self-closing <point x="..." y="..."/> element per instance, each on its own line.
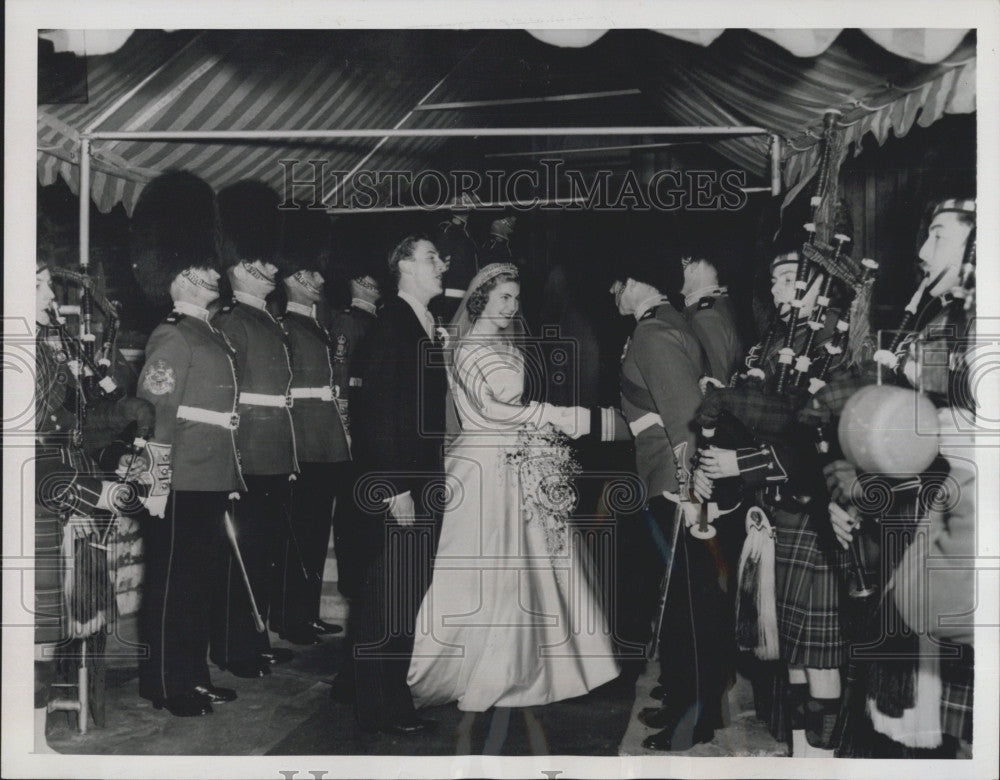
<point x="222" y="419"/>
<point x="261" y="399"/>
<point x="648" y="420"/>
<point x="325" y="393"/>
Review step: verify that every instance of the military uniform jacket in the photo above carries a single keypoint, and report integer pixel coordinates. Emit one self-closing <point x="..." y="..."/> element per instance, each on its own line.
<point x="456" y="246"/>
<point x="660" y="369"/>
<point x="191" y="366"/>
<point x="266" y="437"/>
<point x="349" y="330"/>
<point x="320" y="436"/>
<point x="792" y="460"/>
<point x="65" y="478"/>
<point x="713" y="321"/>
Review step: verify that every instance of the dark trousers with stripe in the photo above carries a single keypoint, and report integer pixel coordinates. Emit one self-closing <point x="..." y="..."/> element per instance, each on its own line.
<point x="186" y="559"/>
<point x="257" y="517"/>
<point x="397" y="573"/>
<point x="301" y="550"/>
<point x="697" y="648"/>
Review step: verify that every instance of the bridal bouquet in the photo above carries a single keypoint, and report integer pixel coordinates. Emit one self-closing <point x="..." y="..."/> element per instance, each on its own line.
<point x="544" y="462"/>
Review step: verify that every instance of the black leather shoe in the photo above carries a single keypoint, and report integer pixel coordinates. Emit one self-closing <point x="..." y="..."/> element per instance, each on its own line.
<point x="249" y="668"/>
<point x="658" y="692"/>
<point x="408" y="727"/>
<point x="214" y="695"/>
<point x="322" y="627"/>
<point x="276" y="655"/>
<point x="187" y="705"/>
<point x="660" y="717"/>
<point x="301" y="636"/>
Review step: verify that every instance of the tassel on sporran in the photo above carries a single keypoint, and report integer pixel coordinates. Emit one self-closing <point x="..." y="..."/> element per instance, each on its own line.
<point x="756" y="613"/>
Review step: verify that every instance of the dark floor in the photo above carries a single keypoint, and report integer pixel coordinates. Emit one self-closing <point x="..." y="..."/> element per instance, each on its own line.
<point x="291" y="713"/>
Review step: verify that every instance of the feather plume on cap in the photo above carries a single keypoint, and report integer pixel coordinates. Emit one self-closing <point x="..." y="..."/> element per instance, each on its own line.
<point x="174" y="227"/>
<point x="251" y="223"/>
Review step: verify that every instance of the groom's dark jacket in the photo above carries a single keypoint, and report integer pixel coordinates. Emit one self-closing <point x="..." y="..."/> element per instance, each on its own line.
<point x="400" y="420"/>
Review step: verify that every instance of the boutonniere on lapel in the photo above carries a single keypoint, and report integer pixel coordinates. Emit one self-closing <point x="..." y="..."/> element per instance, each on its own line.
<point x="441" y="334"/>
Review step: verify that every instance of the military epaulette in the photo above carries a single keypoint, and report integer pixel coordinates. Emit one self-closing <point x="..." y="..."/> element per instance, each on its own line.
<point x="173" y="318"/>
<point x="706" y="303"/>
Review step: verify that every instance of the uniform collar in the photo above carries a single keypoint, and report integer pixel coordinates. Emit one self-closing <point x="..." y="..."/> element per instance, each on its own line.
<point x="650" y="303"/>
<point x="191" y="310"/>
<point x="250" y="300"/>
<point x="713" y="291"/>
<point x="301" y="308"/>
<point x="368" y="306"/>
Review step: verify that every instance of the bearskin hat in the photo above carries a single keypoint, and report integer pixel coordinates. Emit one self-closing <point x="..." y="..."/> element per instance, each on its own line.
<point x="174" y="227"/>
<point x="251" y="223"/>
<point x="305" y="241"/>
<point x="650" y="258"/>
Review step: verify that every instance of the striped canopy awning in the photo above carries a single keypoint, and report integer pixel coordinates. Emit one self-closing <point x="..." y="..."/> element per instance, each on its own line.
<point x="353" y="79"/>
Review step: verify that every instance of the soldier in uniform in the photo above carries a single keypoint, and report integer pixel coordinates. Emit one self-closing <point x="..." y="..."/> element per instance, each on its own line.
<point x="459" y="251"/>
<point x="661" y="366"/>
<point x="349" y="330"/>
<point x="190" y="378"/>
<point x="320" y="434"/>
<point x="710" y="312"/>
<point x="251" y="228"/>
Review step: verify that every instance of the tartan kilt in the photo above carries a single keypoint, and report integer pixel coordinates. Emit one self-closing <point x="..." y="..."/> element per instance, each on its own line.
<point x="956" y="695"/>
<point x="807" y="591"/>
<point x="50" y="603"/>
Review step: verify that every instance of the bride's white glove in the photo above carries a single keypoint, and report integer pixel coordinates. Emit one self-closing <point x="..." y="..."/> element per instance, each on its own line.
<point x="543" y="414"/>
<point x="574" y="421"/>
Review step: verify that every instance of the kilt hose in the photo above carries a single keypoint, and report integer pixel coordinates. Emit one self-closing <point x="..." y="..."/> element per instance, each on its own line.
<point x="295" y="598"/>
<point x="808" y="585"/>
<point x="184" y="592"/>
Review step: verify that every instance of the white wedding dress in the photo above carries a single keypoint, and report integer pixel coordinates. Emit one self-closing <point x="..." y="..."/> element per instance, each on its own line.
<point x="511" y="618"/>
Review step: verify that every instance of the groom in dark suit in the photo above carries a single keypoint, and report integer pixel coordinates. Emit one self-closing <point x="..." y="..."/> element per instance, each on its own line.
<point x="398" y="443"/>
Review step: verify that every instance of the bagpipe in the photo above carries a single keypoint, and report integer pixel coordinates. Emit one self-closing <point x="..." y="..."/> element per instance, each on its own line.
<point x="762" y="406"/>
<point x="107" y="424"/>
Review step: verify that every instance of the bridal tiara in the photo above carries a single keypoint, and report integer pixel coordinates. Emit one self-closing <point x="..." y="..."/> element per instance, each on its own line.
<point x="496" y="269"/>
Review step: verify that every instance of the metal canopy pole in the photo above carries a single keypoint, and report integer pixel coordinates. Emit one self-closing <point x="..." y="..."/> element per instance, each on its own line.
<point x="496" y="204"/>
<point x="84" y="202"/>
<point x="437" y="132"/>
<point x="527" y="100"/>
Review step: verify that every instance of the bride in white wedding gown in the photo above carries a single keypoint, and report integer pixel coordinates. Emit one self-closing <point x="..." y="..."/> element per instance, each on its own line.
<point x="511" y="618"/>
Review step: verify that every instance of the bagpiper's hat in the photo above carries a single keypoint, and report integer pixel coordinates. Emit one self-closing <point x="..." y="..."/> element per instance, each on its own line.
<point x="785" y="258"/>
<point x="251" y="223"/>
<point x="305" y="241"/>
<point x="960" y="205"/>
<point x="174" y="227"/>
